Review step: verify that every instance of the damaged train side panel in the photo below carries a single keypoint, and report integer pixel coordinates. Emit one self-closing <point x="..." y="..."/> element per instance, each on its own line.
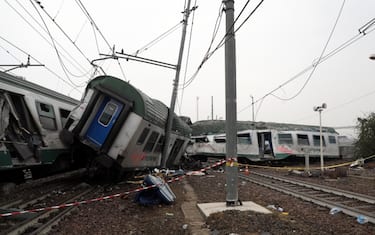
<point x="31" y="117"/>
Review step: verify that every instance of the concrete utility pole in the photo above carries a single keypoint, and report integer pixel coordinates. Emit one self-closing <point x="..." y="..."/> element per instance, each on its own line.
<point x="175" y="86"/>
<point x="197" y="108"/>
<point x="252" y="107"/>
<point x="212" y="108"/>
<point x="231" y="107"/>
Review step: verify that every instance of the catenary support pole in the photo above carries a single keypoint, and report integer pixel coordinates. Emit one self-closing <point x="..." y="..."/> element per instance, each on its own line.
<point x="231" y="107"/>
<point x="175" y="86"/>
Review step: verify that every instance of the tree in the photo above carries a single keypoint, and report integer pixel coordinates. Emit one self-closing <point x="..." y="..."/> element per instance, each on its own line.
<point x="365" y="145"/>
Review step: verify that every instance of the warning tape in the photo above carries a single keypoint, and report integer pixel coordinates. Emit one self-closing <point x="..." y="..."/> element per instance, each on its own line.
<point x="235" y="163"/>
<point x="232" y="162"/>
<point x="303" y="168"/>
<point x="106" y="197"/>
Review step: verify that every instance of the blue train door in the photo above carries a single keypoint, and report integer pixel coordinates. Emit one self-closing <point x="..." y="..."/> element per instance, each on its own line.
<point x="104" y="120"/>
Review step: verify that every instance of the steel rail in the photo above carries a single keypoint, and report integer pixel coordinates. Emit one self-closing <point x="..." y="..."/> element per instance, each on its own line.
<point x="21" y="227"/>
<point x="314" y="194"/>
<point x="336" y="191"/>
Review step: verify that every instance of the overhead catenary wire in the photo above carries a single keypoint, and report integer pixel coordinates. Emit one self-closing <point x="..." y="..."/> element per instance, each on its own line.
<point x="46" y="67"/>
<point x="338" y="49"/>
<point x="223" y="40"/>
<point x="205" y="57"/>
<point x="70" y="59"/>
<point x="187" y="55"/>
<point x="332" y="108"/>
<point x="56" y="50"/>
<point x="67" y="36"/>
<point x="83" y="8"/>
<point x="7" y="51"/>
<point x="158" y="39"/>
<point x="320" y="57"/>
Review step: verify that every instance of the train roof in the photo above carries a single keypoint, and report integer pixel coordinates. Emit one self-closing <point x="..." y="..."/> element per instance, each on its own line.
<point x="150" y="109"/>
<point x="218" y="126"/>
<point x="19" y="82"/>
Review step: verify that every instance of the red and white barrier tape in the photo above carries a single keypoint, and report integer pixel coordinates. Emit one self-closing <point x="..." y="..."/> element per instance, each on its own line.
<point x="105" y="197"/>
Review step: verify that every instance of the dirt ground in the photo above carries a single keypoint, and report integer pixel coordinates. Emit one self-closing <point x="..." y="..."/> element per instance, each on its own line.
<point x="124" y="216"/>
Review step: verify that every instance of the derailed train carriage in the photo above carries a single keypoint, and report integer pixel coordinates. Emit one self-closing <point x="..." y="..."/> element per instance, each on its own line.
<point x="31" y="118"/>
<point x="263" y="141"/>
<point x="123" y="128"/>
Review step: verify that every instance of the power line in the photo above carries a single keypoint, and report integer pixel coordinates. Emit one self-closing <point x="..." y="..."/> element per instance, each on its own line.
<point x="62" y="30"/>
<point x="320" y="57"/>
<point x="158" y="39"/>
<point x="83" y="8"/>
<point x="38" y="32"/>
<point x="54" y="45"/>
<point x="344" y="45"/>
<point x="206" y="56"/>
<point x="222" y="42"/>
<point x="188" y="54"/>
<point x="50" y="70"/>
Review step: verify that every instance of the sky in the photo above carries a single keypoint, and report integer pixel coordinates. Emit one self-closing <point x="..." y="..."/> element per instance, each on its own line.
<point x="279" y="42"/>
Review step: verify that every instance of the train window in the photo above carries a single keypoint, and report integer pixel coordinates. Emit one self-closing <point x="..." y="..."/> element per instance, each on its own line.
<point x="219" y="139"/>
<point x="285" y="139"/>
<point x="202" y="139"/>
<point x="64" y="116"/>
<point x="107" y="114"/>
<point x="151" y="142"/>
<point x="159" y="145"/>
<point x="331" y="139"/>
<point x="143" y="136"/>
<point x="316" y="139"/>
<point x="46" y="116"/>
<point x="303" y="139"/>
<point x="244" y="138"/>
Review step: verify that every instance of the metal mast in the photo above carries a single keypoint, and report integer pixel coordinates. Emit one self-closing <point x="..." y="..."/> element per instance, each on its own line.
<point x="175" y="86"/>
<point x="212" y="108"/>
<point x="231" y="107"/>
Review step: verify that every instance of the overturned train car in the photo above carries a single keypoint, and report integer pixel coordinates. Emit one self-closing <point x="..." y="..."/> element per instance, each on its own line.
<point x="31" y="118"/>
<point x="123" y="128"/>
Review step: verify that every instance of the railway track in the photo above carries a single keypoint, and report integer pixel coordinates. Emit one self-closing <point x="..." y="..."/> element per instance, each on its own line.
<point x="350" y="203"/>
<point x="40" y="222"/>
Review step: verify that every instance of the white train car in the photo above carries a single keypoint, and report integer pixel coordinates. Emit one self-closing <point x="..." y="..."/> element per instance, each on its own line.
<point x="204" y="146"/>
<point x="124" y="128"/>
<point x="264" y="141"/>
<point x="299" y="143"/>
<point x="31" y="118"/>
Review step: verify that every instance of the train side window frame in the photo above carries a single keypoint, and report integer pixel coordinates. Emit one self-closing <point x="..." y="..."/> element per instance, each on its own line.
<point x="285" y="138"/>
<point x="105" y="111"/>
<point x="143" y="136"/>
<point x="316" y="140"/>
<point x="64" y="114"/>
<point x="159" y="144"/>
<point x="332" y="139"/>
<point x="151" y="141"/>
<point x="303" y="139"/>
<point x="220" y="139"/>
<point x="244" y="139"/>
<point x="47" y="117"/>
<point x="200" y="139"/>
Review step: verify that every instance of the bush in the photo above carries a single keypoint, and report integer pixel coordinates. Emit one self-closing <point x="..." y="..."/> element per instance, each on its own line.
<point x="365" y="145"/>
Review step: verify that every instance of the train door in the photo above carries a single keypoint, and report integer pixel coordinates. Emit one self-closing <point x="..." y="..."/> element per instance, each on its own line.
<point x="265" y="144"/>
<point x="174" y="152"/>
<point x="104" y="120"/>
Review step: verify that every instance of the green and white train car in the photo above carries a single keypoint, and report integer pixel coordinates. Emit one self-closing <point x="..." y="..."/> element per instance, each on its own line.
<point x="31" y="118"/>
<point x="124" y="128"/>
